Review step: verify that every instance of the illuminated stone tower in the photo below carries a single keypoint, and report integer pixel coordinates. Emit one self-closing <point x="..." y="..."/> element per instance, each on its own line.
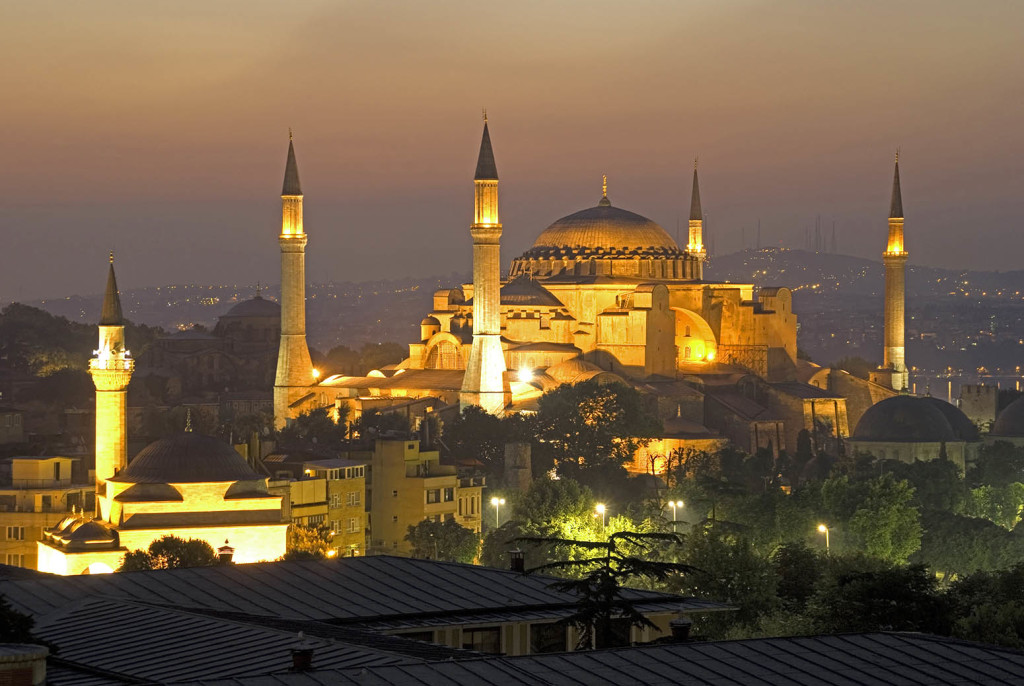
<point x="294" y="368"/>
<point x="695" y="244"/>
<point x="894" y="361"/>
<point x="111" y="370"/>
<point x="484" y="382"/>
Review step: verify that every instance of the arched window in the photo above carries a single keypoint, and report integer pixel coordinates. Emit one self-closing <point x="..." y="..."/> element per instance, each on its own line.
<point x="686" y="354"/>
<point x="444" y="355"/>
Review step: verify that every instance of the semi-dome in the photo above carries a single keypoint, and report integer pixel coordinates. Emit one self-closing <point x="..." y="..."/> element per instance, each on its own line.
<point x="187" y="458"/>
<point x="255" y="307"/>
<point x="1010" y="422"/>
<point x="906" y="419"/>
<point x="606" y="228"/>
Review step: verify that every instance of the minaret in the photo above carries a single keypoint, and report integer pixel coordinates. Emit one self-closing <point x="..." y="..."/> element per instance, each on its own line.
<point x="695" y="244"/>
<point x="111" y="370"/>
<point x="484" y="382"/>
<point x="894" y="360"/>
<point x="294" y="368"/>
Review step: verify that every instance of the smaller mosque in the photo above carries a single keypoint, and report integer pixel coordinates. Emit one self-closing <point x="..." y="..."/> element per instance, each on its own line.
<point x="190" y="486"/>
<point x="1009" y="425"/>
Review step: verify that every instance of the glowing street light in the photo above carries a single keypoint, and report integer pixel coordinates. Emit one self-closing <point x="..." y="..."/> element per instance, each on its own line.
<point x="497" y="502"/>
<point x="824" y="529"/>
<point x="316" y="374"/>
<point x="524" y="375"/>
<point x="675" y="504"/>
<point x="601" y="510"/>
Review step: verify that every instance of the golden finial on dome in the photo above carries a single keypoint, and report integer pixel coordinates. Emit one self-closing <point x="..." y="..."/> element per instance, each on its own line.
<point x="111" y="257"/>
<point x="604" y="185"/>
<point x="897" y="155"/>
<point x="695" y="163"/>
<point x="485" y="115"/>
<point x="289" y="134"/>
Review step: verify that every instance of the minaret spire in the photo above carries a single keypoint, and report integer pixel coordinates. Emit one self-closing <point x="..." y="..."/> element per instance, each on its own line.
<point x="894" y="364"/>
<point x="294" y="366"/>
<point x="111" y="370"/>
<point x="695" y="243"/>
<point x="484" y="380"/>
<point x="605" y="202"/>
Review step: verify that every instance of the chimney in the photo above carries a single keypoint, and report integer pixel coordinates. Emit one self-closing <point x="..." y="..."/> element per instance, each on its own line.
<point x="516" y="561"/>
<point x="225" y="553"/>
<point x="680" y="628"/>
<point x="302" y="655"/>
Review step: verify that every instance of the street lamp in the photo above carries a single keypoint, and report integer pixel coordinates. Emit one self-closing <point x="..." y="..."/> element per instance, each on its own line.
<point x="497" y="502"/>
<point x="600" y="509"/>
<point x="824" y="529"/>
<point x="675" y="504"/>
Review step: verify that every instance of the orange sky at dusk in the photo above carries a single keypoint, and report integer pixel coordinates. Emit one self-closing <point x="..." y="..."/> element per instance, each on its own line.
<point x="160" y="129"/>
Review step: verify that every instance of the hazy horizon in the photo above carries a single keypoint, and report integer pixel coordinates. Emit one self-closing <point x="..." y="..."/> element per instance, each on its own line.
<point x="160" y="131"/>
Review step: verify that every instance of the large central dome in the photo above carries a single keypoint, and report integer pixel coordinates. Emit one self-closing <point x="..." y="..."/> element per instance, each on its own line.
<point x="605" y="228"/>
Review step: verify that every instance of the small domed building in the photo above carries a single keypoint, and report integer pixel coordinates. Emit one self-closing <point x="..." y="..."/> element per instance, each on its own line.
<point x="190" y="486"/>
<point x="1009" y="424"/>
<point x="909" y="428"/>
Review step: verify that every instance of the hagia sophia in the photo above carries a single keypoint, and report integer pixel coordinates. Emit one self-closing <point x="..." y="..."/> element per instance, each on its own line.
<point x="603" y="294"/>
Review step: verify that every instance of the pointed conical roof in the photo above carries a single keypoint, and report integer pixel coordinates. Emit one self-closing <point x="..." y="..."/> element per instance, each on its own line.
<point x="485" y="167"/>
<point x="896" y="204"/>
<point x="695" y="211"/>
<point x="291" y="173"/>
<point x="111" y="314"/>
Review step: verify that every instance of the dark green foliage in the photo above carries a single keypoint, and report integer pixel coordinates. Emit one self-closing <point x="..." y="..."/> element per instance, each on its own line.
<point x="853" y="596"/>
<point x="476" y="435"/>
<point x="798" y="569"/>
<point x="998" y="464"/>
<point x="954" y="545"/>
<point x="316" y="426"/>
<point x="170" y="552"/>
<point x="588" y="423"/>
<point x="374" y="423"/>
<point x="605" y="572"/>
<point x="447" y="540"/>
<point x="989" y="607"/>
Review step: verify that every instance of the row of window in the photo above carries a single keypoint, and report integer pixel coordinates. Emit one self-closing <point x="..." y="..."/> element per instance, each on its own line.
<point x="434" y="495"/>
<point x="469" y="506"/>
<point x="352" y="525"/>
<point x="352" y="498"/>
<point x="15" y="533"/>
<point x="549" y="637"/>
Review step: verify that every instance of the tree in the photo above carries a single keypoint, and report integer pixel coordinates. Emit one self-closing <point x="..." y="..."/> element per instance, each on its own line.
<point x="170" y="552"/>
<point x="374" y="423"/>
<point x="989" y="608"/>
<point x="875" y="516"/>
<point x="317" y="426"/>
<point x="447" y="540"/>
<point x="588" y="423"/>
<point x="1002" y="504"/>
<point x="798" y="569"/>
<point x="307" y="542"/>
<point x="601" y="602"/>
<point x="859" y="594"/>
<point x="476" y="434"/>
<point x="954" y="545"/>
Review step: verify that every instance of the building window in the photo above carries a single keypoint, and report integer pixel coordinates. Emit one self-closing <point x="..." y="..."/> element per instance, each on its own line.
<point x="547" y="638"/>
<point x="461" y="500"/>
<point x="353" y="525"/>
<point x="433" y="496"/>
<point x="334" y="526"/>
<point x="316" y="520"/>
<point x="335" y="500"/>
<point x="355" y="472"/>
<point x="482" y="640"/>
<point x="352" y="498"/>
<point x="56" y="470"/>
<point x="394" y="494"/>
<point x="449" y="495"/>
<point x="394" y="518"/>
<point x="15" y="533"/>
<point x="15" y="560"/>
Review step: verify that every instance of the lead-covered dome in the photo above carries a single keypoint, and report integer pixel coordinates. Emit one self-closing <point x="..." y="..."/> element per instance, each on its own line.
<point x="606" y="228"/>
<point x="1010" y="422"/>
<point x="257" y="306"/>
<point x="904" y="418"/>
<point x="187" y="458"/>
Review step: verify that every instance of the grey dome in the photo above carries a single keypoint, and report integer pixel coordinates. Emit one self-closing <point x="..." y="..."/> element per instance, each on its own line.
<point x="1010" y="422"/>
<point x="187" y="458"/>
<point x="963" y="428"/>
<point x="254" y="307"/>
<point x="904" y="418"/>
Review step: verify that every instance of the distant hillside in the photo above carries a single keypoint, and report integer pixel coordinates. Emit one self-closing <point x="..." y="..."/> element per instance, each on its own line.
<point x="824" y="273"/>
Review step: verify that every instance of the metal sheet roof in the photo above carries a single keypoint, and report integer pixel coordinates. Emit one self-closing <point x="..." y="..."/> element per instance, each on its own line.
<point x="875" y="659"/>
<point x="346" y="590"/>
